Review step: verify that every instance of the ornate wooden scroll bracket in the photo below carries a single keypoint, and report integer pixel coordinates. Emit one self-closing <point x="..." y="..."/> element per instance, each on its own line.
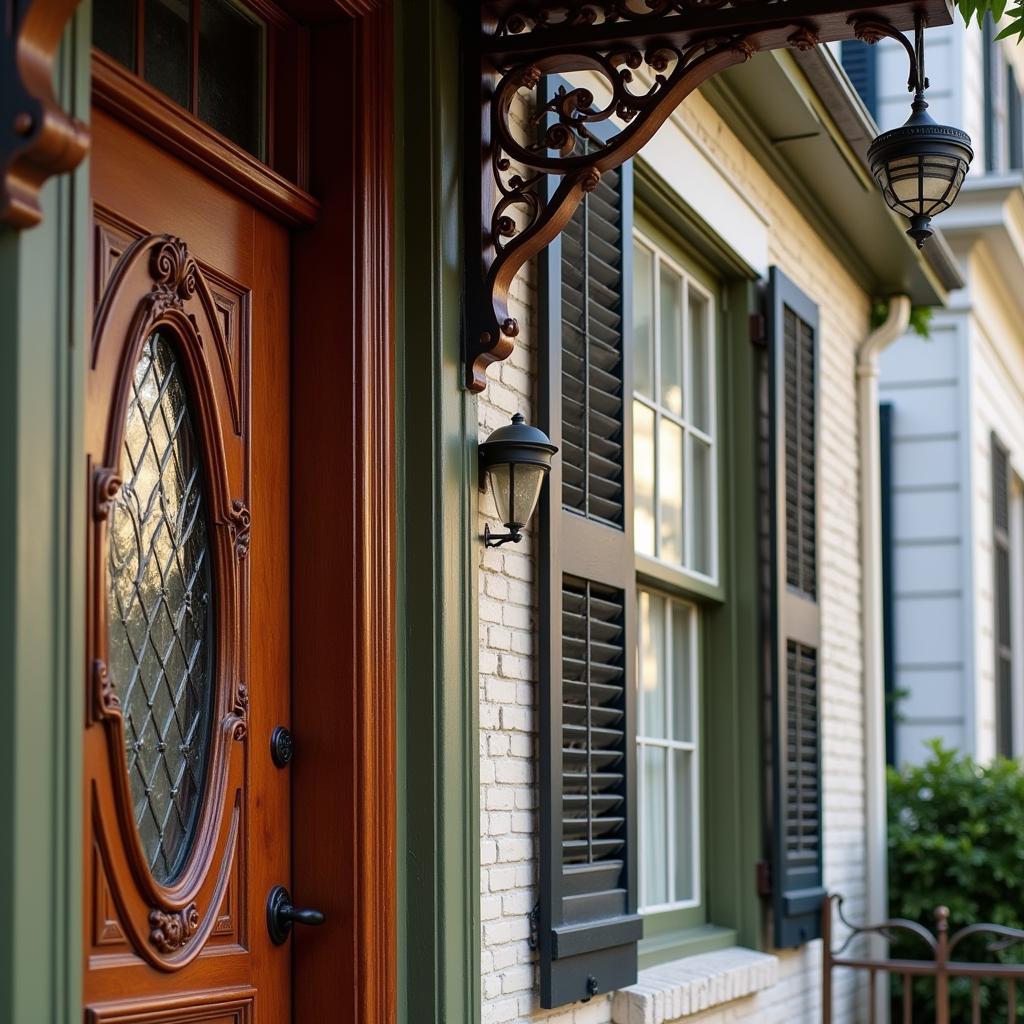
<point x="648" y="55"/>
<point x="37" y="138"/>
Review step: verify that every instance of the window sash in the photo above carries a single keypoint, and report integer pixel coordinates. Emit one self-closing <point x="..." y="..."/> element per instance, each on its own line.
<point x="690" y="749"/>
<point x="692" y="435"/>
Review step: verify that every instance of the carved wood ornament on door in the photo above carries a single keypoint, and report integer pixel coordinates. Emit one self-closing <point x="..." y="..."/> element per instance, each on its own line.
<point x="157" y="289"/>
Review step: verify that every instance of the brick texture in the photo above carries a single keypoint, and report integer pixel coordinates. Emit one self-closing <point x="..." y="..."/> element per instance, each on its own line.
<point x="508" y="626"/>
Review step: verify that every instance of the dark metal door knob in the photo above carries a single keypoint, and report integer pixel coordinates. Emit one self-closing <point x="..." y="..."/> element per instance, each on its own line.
<point x="281" y="915"/>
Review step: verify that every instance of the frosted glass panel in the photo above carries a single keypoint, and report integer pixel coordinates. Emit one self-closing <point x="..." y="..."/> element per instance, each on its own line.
<point x="653" y="692"/>
<point x="686" y="830"/>
<point x="168" y="65"/>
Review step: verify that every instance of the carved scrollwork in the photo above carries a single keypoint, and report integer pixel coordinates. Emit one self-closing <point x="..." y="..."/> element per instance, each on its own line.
<point x="240" y="521"/>
<point x="537" y="16"/>
<point x="106" y="486"/>
<point x="170" y="931"/>
<point x="105" y="695"/>
<point x="239" y="717"/>
<point x="174" y="274"/>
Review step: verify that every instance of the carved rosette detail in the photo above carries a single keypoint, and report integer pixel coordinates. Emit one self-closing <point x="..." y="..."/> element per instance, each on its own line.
<point x="240" y="713"/>
<point x="803" y="39"/>
<point x="106" y="486"/>
<point x="104" y="691"/>
<point x="240" y="522"/>
<point x="174" y="275"/>
<point x="169" y="932"/>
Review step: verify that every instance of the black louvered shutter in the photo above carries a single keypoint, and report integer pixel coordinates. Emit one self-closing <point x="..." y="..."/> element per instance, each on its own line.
<point x="589" y="927"/>
<point x="860" y="62"/>
<point x="1001" y="592"/>
<point x="794" y="664"/>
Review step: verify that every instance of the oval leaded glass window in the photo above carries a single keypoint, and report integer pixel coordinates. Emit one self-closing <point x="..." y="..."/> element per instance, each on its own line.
<point x="160" y="609"/>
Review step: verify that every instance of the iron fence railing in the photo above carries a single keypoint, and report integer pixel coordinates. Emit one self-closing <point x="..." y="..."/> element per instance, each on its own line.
<point x="942" y="966"/>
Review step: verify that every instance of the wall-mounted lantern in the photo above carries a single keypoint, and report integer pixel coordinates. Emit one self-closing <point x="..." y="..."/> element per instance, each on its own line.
<point x="515" y="459"/>
<point x="920" y="166"/>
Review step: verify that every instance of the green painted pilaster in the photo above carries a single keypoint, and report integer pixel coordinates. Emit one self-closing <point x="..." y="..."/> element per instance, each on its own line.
<point x="42" y="614"/>
<point x="438" y="777"/>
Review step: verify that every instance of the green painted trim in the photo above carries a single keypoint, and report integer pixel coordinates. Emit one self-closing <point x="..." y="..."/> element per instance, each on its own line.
<point x="732" y="723"/>
<point x="42" y="584"/>
<point x="655" y="573"/>
<point x="675" y="945"/>
<point x="438" y="697"/>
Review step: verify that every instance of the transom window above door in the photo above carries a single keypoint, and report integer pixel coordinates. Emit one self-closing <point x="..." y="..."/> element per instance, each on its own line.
<point x="674" y="456"/>
<point x="208" y="56"/>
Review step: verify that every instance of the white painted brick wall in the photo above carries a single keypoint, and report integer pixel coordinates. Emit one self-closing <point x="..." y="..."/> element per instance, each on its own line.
<point x="508" y="614"/>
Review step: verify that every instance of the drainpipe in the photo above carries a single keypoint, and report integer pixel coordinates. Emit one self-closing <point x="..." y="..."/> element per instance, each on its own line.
<point x="871" y="590"/>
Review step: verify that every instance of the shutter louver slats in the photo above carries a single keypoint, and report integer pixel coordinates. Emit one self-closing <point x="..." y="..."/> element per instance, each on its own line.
<point x="792" y="588"/>
<point x="592" y="286"/>
<point x="589" y="927"/>
<point x="860" y="62"/>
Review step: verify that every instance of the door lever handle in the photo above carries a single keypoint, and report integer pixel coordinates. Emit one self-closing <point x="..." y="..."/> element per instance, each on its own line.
<point x="281" y="915"/>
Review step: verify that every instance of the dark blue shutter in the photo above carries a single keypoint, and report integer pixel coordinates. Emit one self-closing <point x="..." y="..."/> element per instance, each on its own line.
<point x="588" y="925"/>
<point x="1001" y="590"/>
<point x="860" y="62"/>
<point x="794" y="662"/>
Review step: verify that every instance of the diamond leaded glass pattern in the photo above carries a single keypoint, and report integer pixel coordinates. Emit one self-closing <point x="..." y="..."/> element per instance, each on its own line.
<point x="160" y="609"/>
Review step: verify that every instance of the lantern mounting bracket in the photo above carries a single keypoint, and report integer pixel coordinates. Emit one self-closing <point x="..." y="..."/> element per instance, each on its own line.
<point x="645" y="57"/>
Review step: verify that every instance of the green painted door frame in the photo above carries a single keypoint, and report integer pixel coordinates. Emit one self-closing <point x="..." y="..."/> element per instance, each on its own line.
<point x="438" y="702"/>
<point x="42" y="570"/>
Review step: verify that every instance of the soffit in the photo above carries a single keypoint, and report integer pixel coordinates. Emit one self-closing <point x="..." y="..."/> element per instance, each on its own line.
<point x="792" y="129"/>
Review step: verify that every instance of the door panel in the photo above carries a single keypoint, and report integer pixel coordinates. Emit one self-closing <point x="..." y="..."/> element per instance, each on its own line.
<point x="187" y="819"/>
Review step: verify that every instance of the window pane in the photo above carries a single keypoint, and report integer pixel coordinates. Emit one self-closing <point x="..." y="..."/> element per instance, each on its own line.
<point x="653" y="719"/>
<point x="700" y="513"/>
<point x="686" y="825"/>
<point x="682" y="673"/>
<point x="160" y="610"/>
<point x="113" y="29"/>
<point x="671" y="316"/>
<point x="643" y="478"/>
<point x="167" y="64"/>
<point x="231" y="73"/>
<point x="654" y="833"/>
<point x="700" y="384"/>
<point x="670" y="485"/>
<point x="643" y="320"/>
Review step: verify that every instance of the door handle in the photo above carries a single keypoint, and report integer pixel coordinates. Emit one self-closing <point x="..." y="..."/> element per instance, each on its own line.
<point x="281" y="915"/>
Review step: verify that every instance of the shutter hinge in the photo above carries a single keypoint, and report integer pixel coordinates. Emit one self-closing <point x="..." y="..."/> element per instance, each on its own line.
<point x="758" y="330"/>
<point x="534" y="927"/>
<point x="764" y="878"/>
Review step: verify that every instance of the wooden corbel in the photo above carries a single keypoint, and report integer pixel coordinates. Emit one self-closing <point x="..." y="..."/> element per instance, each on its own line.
<point x="37" y="138"/>
<point x="649" y="55"/>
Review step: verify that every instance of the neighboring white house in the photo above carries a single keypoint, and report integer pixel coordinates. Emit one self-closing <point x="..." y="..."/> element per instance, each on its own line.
<point x="956" y="416"/>
<point x="747" y="200"/>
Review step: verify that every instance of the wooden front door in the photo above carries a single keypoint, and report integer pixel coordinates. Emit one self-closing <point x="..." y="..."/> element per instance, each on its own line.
<point x="187" y="816"/>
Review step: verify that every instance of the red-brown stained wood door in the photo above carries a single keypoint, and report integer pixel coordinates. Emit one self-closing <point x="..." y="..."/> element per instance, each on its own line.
<point x="187" y="820"/>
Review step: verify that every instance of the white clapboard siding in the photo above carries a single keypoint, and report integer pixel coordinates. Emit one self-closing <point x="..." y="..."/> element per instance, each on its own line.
<point x="924" y="383"/>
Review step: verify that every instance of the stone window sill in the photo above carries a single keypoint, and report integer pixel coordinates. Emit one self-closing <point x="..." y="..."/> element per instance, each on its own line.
<point x="681" y="988"/>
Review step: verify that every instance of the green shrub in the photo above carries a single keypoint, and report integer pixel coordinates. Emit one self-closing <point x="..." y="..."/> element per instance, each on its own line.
<point x="956" y="839"/>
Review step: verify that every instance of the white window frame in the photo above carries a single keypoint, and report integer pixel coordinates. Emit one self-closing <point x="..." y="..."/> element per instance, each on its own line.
<point x="693" y="746"/>
<point x="652" y="403"/>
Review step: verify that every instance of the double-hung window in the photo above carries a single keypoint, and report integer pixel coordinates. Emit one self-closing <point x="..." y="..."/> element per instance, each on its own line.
<point x="675" y="478"/>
